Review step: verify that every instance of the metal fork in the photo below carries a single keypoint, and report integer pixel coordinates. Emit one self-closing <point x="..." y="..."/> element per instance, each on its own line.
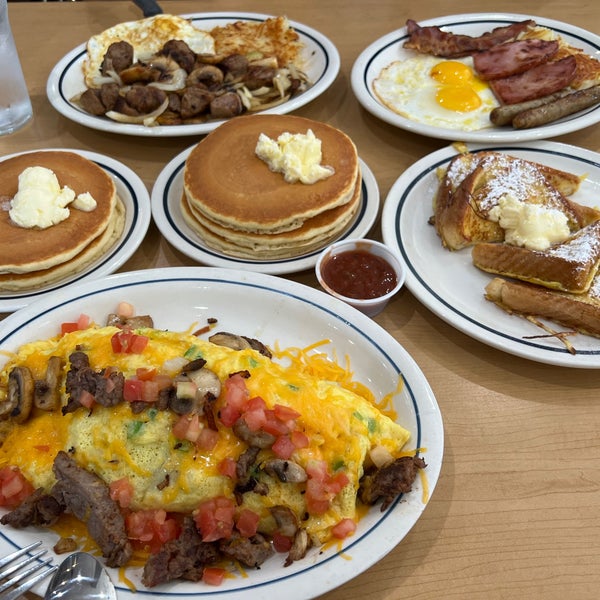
<point x="13" y="575"/>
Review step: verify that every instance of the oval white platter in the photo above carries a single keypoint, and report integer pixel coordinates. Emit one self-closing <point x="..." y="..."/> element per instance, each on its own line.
<point x="276" y="311"/>
<point x="389" y="48"/>
<point x="320" y="59"/>
<point x="450" y="285"/>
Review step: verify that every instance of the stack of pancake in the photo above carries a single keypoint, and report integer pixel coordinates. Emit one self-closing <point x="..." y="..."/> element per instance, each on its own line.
<point x="33" y="257"/>
<point x="241" y="208"/>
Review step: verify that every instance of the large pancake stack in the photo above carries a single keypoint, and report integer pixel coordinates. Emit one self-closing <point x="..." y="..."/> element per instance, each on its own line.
<point x="32" y="257"/>
<point x="239" y="207"/>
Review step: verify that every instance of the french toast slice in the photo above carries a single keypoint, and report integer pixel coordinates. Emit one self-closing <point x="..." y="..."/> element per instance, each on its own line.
<point x="475" y="182"/>
<point x="578" y="312"/>
<point x="570" y="266"/>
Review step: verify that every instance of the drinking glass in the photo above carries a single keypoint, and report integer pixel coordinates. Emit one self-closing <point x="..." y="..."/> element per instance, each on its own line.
<point x="15" y="105"/>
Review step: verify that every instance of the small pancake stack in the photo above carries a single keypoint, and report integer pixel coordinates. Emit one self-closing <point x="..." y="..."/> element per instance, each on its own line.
<point x="33" y="257"/>
<point x="240" y="207"/>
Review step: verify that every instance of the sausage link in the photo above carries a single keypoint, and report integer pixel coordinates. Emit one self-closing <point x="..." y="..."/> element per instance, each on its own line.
<point x="503" y="115"/>
<point x="559" y="108"/>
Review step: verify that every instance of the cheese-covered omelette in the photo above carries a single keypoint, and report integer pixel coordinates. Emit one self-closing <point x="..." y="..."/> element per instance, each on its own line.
<point x="177" y="455"/>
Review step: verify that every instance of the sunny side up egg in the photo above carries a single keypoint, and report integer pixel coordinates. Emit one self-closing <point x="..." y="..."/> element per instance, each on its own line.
<point x="440" y="93"/>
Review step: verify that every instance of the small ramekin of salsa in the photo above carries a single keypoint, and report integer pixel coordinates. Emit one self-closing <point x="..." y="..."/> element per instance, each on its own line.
<point x="363" y="273"/>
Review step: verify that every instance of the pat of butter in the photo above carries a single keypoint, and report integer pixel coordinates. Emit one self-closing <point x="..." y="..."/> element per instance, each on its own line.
<point x="530" y="225"/>
<point x="296" y="156"/>
<point x="41" y="202"/>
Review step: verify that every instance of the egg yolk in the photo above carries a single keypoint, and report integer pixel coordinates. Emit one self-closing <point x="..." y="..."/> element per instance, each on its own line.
<point x="458" y="86"/>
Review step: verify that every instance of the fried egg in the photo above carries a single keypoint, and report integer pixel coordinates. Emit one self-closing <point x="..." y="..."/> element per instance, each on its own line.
<point x="147" y="36"/>
<point x="116" y="443"/>
<point x="440" y="93"/>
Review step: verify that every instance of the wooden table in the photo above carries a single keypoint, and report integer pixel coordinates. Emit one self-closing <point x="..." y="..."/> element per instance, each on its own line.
<point x="516" y="511"/>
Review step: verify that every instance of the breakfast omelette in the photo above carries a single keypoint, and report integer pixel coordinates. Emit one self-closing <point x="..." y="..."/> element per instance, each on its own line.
<point x="199" y="439"/>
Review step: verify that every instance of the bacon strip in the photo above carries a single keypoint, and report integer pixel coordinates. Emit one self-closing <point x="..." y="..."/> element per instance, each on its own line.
<point x="435" y="41"/>
<point x="514" y="57"/>
<point x="543" y="80"/>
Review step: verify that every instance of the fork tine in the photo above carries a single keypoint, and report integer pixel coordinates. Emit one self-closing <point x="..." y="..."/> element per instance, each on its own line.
<point x="17" y="567"/>
<point x="17" y="592"/>
<point x="10" y="557"/>
<point x="24" y="579"/>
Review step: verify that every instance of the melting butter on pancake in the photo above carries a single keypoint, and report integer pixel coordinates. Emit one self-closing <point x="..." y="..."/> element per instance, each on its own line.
<point x="147" y="37"/>
<point x="115" y="443"/>
<point x="32" y="256"/>
<point x="234" y="194"/>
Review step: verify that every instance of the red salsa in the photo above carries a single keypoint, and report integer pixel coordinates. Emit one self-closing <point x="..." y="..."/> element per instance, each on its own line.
<point x="359" y="274"/>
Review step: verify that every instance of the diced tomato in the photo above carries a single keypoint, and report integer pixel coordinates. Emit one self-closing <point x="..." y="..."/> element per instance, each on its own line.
<point x="208" y="439"/>
<point x="133" y="390"/>
<point x="247" y="522"/>
<point x="227" y="467"/>
<point x="213" y="575"/>
<point x="121" y="491"/>
<point x="128" y="342"/>
<point x="281" y="543"/>
<point x="68" y="327"/>
<point x="255" y="418"/>
<point x="336" y="483"/>
<point x="299" y="439"/>
<point x="187" y="427"/>
<point x="285" y="413"/>
<point x="236" y="398"/>
<point x="273" y="425"/>
<point x="151" y="528"/>
<point x="322" y="487"/>
<point x="83" y="322"/>
<point x="14" y="487"/>
<point x="283" y="447"/>
<point x="343" y="529"/>
<point x="86" y="399"/>
<point x="214" y="518"/>
<point x="150" y="391"/>
<point x="145" y="374"/>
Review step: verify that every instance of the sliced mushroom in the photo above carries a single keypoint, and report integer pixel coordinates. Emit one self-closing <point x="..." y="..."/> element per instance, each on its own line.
<point x="133" y="322"/>
<point x="286" y="471"/>
<point x="229" y="340"/>
<point x="138" y="73"/>
<point x="206" y="75"/>
<point x="286" y="520"/>
<point x="19" y="398"/>
<point x="259" y="439"/>
<point x="300" y="546"/>
<point x="171" y="76"/>
<point x="238" y="342"/>
<point x="47" y="393"/>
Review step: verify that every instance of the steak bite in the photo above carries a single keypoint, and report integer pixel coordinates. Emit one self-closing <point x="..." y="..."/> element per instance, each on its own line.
<point x="390" y="480"/>
<point x="87" y="497"/>
<point x="39" y="509"/>
<point x="182" y="558"/>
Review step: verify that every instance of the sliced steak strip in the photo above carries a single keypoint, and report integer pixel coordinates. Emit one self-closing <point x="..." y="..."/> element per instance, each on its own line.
<point x="87" y="497"/>
<point x="543" y="80"/>
<point x="39" y="509"/>
<point x="251" y="552"/>
<point x="433" y="40"/>
<point x="183" y="558"/>
<point x="512" y="58"/>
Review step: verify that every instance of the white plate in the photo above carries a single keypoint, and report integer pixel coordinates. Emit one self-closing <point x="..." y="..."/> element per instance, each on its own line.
<point x="389" y="48"/>
<point x="166" y="196"/>
<point x="135" y="197"/>
<point x="273" y="310"/>
<point x="320" y="57"/>
<point x="450" y="285"/>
